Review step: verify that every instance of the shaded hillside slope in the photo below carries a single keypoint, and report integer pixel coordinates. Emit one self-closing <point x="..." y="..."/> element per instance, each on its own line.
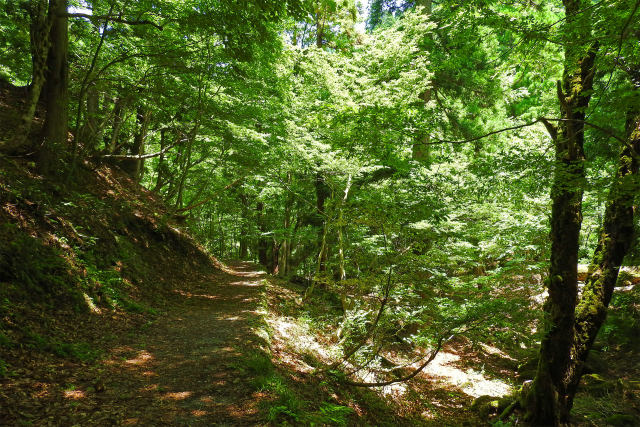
<point x="83" y="262"/>
<point x="92" y="237"/>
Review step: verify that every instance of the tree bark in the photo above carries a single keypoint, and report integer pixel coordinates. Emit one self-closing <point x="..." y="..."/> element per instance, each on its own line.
<point x="262" y="241"/>
<point x="55" y="91"/>
<point x="243" y="250"/>
<point x="91" y="131"/>
<point x="118" y="119"/>
<point x="185" y="164"/>
<point x="134" y="167"/>
<point x="322" y="192"/>
<point x="547" y="402"/>
<point x="285" y="246"/>
<point x="343" y="272"/>
<point x="160" y="181"/>
<point x="616" y="238"/>
<point x="40" y="36"/>
<point x="274" y="259"/>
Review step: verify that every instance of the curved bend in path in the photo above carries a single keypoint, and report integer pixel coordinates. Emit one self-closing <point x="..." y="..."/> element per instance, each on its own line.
<point x="186" y="368"/>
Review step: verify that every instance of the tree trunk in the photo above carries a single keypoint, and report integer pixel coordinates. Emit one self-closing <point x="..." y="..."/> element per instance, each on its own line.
<point x="547" y="402"/>
<point x="243" y="250"/>
<point x="118" y="119"/>
<point x="322" y="254"/>
<point x="274" y="259"/>
<point x="285" y="246"/>
<point x="134" y="167"/>
<point x="160" y="182"/>
<point x="616" y="237"/>
<point x="343" y="272"/>
<point x="40" y="36"/>
<point x="55" y="91"/>
<point x="91" y="130"/>
<point x="185" y="165"/>
<point x="322" y="192"/>
<point x="262" y="241"/>
<point x="319" y="29"/>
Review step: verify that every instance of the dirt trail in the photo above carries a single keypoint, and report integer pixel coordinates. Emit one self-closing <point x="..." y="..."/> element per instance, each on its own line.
<point x="186" y="369"/>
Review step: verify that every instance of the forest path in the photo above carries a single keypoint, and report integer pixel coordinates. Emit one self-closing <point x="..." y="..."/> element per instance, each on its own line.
<point x="187" y="367"/>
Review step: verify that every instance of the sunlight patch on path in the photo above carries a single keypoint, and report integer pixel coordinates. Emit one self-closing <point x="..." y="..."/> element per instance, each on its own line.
<point x="142" y="358"/>
<point x="246" y="283"/>
<point x="74" y="394"/>
<point x="190" y="295"/>
<point x="180" y="395"/>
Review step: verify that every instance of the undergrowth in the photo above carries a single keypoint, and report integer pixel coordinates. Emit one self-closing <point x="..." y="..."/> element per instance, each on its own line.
<point x="79" y="351"/>
<point x="287" y="407"/>
<point x="623" y="320"/>
<point x="39" y="271"/>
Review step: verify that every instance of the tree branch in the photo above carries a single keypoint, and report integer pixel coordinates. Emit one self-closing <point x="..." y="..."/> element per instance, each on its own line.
<point x="419" y="369"/>
<point x="136" y="156"/>
<point x="208" y="199"/>
<point x="495" y="132"/>
<point x="553" y="131"/>
<point x="606" y="131"/>
<point x="113" y="19"/>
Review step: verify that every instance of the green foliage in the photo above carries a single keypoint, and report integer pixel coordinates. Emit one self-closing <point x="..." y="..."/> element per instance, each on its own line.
<point x="622" y="325"/>
<point x="38" y="269"/>
<point x="4" y="368"/>
<point x="261" y="368"/>
<point x="295" y="152"/>
<point x="287" y="406"/>
<point x="5" y="341"/>
<point x="81" y="351"/>
<point x="332" y="414"/>
<point x="14" y="42"/>
<point x="110" y="284"/>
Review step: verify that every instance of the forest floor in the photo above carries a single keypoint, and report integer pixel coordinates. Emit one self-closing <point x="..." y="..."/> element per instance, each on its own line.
<point x="184" y="368"/>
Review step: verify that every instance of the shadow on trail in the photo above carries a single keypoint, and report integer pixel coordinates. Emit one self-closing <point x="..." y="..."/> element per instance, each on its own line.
<point x="186" y="369"/>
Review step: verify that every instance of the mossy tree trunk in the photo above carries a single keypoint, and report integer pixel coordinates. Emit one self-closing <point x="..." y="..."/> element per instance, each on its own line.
<point x="92" y="129"/>
<point x="547" y="401"/>
<point x="161" y="168"/>
<point x="616" y="237"/>
<point x="40" y="37"/>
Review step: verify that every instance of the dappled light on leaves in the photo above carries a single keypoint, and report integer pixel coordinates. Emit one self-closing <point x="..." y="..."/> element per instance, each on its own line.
<point x="319" y="212"/>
